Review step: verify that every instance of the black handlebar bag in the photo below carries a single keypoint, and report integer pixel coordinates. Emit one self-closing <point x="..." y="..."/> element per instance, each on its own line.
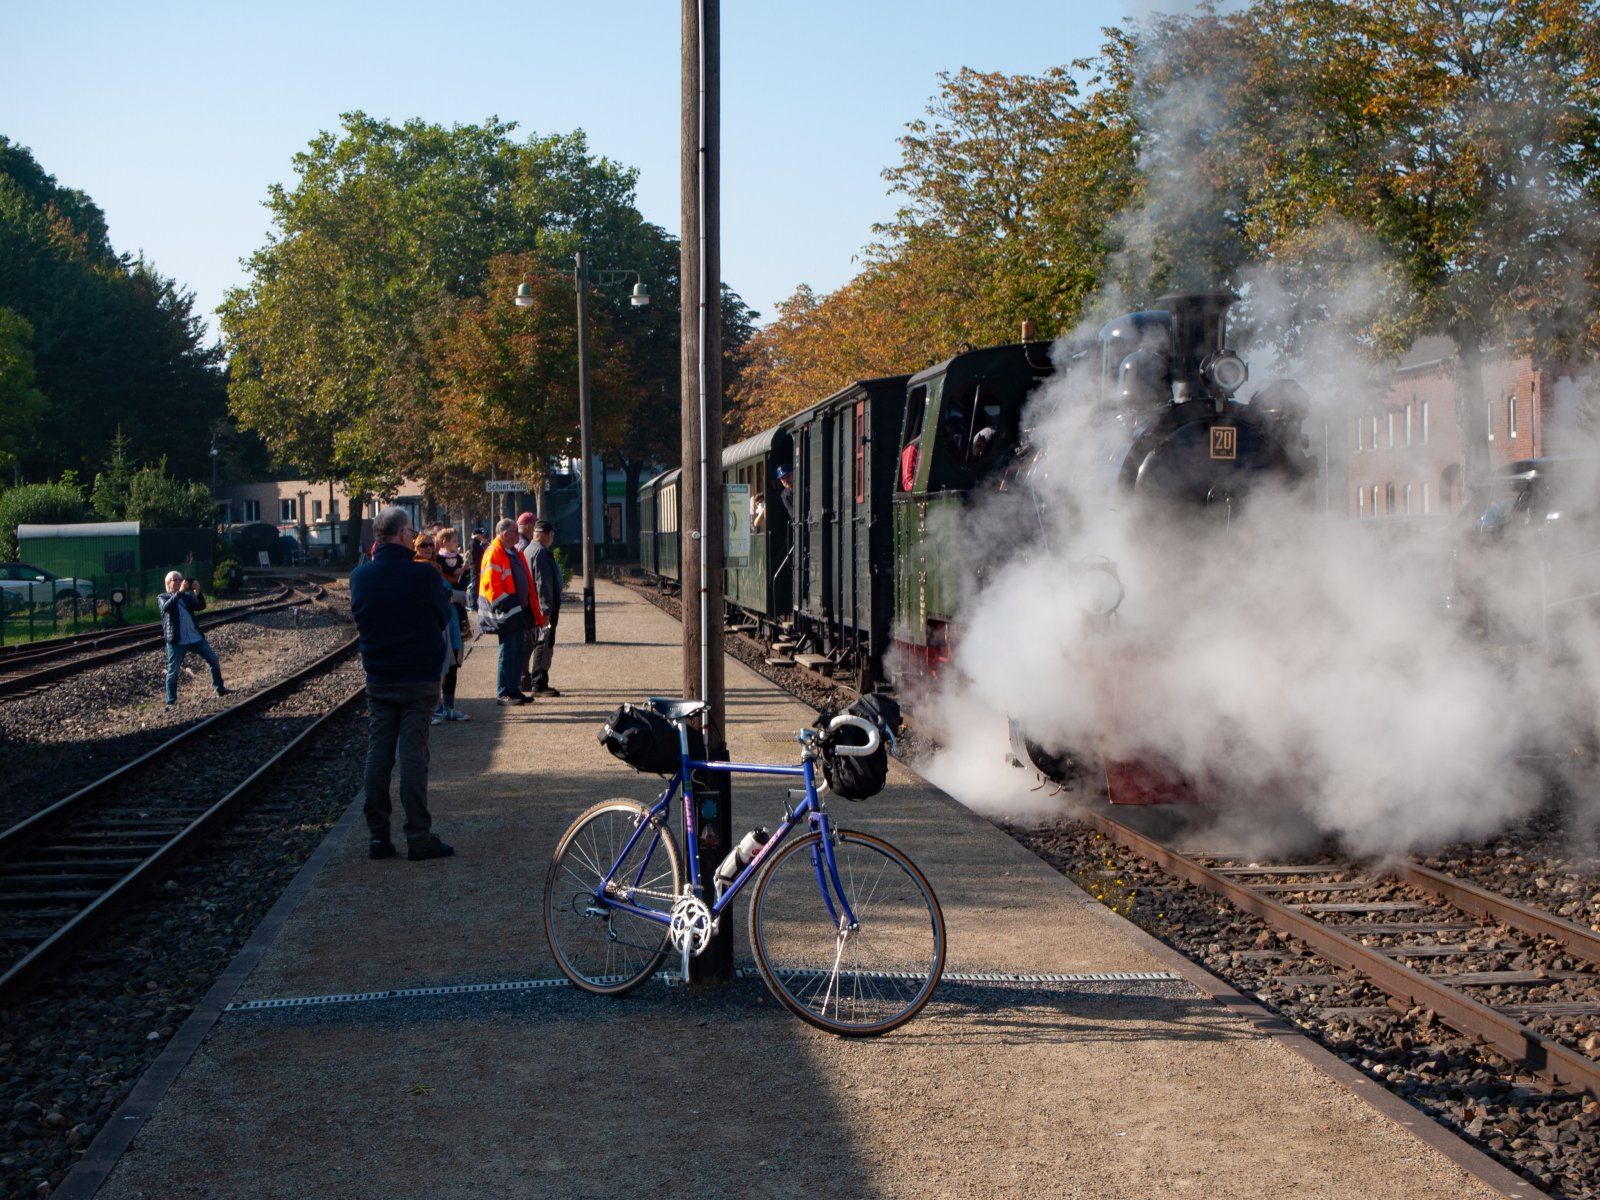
<point x="861" y="778"/>
<point x="642" y="738"/>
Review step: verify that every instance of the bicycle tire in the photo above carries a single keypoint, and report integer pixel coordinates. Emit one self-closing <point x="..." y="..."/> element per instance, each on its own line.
<point x="793" y="936"/>
<point x="608" y="963"/>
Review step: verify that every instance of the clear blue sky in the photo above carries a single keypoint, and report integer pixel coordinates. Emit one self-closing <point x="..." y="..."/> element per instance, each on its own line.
<point x="175" y="117"/>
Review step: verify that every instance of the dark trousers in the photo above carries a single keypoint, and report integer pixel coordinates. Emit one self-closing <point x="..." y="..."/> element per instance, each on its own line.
<point x="398" y="715"/>
<point x="511" y="658"/>
<point x="543" y="652"/>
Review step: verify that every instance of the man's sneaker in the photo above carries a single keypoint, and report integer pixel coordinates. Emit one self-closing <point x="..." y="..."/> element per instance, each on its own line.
<point x="547" y="691"/>
<point x="380" y="848"/>
<point x="222" y="691"/>
<point x="438" y="716"/>
<point x="455" y="714"/>
<point x="429" y="847"/>
<point x="517" y="698"/>
<point x="526" y="683"/>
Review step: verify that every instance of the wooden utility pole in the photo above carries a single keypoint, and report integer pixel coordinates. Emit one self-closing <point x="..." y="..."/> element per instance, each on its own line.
<point x="702" y="523"/>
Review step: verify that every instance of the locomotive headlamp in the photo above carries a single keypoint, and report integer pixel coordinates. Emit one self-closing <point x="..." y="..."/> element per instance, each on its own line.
<point x="1225" y="371"/>
<point x="1096" y="587"/>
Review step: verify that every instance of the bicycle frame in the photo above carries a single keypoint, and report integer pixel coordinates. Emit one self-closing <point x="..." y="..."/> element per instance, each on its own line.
<point x="810" y="809"/>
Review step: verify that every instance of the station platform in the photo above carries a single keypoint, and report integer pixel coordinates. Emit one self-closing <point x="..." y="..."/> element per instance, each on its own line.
<point x="1126" y="1087"/>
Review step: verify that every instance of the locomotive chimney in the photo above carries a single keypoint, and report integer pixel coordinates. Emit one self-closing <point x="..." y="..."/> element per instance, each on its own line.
<point x="1029" y="332"/>
<point x="1199" y="325"/>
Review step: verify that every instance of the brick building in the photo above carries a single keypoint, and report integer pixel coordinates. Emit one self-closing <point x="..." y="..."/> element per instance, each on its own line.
<point x="1405" y="452"/>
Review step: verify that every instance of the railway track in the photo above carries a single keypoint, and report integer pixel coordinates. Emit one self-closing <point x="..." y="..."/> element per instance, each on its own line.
<point x="25" y="671"/>
<point x="68" y="869"/>
<point x="1504" y="974"/>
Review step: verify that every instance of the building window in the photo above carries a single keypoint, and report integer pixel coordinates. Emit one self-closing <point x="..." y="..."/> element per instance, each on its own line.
<point x="1408" y="499"/>
<point x="316" y="510"/>
<point x="1489" y="419"/>
<point x="1388" y="496"/>
<point x="1426" y="506"/>
<point x="1391" y="431"/>
<point x="1424" y="422"/>
<point x="1374" y="431"/>
<point x="1511" y="416"/>
<point x="1358" y="435"/>
<point x="1361" y="502"/>
<point x="249" y="510"/>
<point x="286" y="510"/>
<point x="333" y="510"/>
<point x="1374" y="499"/>
<point x="1408" y="424"/>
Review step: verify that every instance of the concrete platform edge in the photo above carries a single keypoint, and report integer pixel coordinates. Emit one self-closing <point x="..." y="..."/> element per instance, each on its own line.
<point x="1429" y="1131"/>
<point x="103" y="1154"/>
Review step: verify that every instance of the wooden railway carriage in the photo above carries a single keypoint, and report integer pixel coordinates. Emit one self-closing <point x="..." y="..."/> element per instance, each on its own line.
<point x="962" y="422"/>
<point x="659" y="509"/>
<point x="844" y="461"/>
<point x="758" y="588"/>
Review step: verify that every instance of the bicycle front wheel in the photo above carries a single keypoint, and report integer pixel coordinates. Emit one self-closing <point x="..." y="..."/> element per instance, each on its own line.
<point x="858" y="981"/>
<point x="600" y="947"/>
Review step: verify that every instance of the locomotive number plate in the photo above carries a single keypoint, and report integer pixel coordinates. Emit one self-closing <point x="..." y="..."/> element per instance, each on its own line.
<point x="1224" y="441"/>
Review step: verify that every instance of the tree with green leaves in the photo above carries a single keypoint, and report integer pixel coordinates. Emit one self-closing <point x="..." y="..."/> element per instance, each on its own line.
<point x="110" y="337"/>
<point x="22" y="406"/>
<point x="385" y="226"/>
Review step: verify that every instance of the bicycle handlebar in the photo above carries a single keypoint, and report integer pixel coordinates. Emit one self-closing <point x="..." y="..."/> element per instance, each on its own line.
<point x="874" y="738"/>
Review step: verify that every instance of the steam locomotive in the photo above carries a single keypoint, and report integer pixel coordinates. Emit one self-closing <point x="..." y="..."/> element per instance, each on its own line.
<point x="851" y="501"/>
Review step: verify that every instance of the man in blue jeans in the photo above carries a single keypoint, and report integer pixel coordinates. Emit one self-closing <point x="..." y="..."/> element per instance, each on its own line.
<point x="402" y="611"/>
<point x="178" y="604"/>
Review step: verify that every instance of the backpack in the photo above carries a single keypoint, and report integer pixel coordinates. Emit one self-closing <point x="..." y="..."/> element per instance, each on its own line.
<point x="861" y="778"/>
<point x="643" y="739"/>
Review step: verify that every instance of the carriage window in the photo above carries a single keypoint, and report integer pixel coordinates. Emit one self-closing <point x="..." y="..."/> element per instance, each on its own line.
<point x="916" y="411"/>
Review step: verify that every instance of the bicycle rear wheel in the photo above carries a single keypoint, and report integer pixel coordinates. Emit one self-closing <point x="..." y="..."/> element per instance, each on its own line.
<point x="856" y="982"/>
<point x="600" y="947"/>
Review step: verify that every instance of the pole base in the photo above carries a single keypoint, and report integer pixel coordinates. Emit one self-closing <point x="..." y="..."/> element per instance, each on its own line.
<point x="588" y="613"/>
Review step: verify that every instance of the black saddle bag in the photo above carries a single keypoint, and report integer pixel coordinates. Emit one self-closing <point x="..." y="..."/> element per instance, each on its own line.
<point x="642" y="738"/>
<point x="861" y="778"/>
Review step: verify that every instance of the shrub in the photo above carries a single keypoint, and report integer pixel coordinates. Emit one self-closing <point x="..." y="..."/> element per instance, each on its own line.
<point x="36" y="504"/>
<point x="228" y="575"/>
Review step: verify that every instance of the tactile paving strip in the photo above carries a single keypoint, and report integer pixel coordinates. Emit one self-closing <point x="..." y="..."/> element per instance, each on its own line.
<point x="528" y="985"/>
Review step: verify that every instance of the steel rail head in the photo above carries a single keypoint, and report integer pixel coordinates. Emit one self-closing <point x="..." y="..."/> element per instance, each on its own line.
<point x="1506" y="1036"/>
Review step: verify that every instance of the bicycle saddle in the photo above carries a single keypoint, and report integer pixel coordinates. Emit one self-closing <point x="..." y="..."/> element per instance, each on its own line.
<point x="677" y="710"/>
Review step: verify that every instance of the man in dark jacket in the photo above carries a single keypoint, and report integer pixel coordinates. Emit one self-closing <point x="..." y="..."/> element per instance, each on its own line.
<point x="402" y="611"/>
<point x="547" y="583"/>
<point x="181" y="632"/>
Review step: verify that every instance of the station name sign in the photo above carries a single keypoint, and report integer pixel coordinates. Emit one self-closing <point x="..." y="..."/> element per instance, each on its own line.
<point x="507" y="485"/>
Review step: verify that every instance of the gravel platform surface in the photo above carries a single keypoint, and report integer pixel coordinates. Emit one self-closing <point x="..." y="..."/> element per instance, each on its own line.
<point x="84" y="726"/>
<point x="992" y="1091"/>
<point x="75" y="1047"/>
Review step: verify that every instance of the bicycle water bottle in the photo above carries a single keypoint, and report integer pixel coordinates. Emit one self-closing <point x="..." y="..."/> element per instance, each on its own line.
<point x="739" y="857"/>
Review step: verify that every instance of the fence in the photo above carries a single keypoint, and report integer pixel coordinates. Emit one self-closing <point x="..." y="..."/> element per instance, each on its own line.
<point x="33" y="609"/>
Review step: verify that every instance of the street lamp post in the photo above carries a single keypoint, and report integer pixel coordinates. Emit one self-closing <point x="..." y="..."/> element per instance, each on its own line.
<point x="213" y="466"/>
<point x="640" y="298"/>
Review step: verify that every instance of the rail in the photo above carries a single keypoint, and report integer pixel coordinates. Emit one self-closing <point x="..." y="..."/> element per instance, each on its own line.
<point x="1544" y="1056"/>
<point x="125" y="880"/>
<point x="16" y="679"/>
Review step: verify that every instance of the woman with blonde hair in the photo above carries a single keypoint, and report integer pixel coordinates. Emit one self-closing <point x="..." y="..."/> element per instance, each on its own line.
<point x="425" y="548"/>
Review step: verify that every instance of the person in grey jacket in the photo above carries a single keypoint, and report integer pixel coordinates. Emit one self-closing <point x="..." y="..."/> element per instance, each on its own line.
<point x="547" y="583"/>
<point x="181" y="633"/>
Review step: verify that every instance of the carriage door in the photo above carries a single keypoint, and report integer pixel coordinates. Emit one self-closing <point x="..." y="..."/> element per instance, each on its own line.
<point x="815" y="500"/>
<point x="855" y="491"/>
<point x="805" y="599"/>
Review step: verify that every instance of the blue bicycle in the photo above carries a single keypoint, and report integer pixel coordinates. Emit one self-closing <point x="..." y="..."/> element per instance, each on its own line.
<point x="845" y="929"/>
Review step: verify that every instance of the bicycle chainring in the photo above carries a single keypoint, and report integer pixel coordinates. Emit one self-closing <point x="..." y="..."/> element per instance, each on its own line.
<point x="691" y="925"/>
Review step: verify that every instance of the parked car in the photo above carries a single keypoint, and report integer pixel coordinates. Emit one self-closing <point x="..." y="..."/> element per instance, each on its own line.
<point x="26" y="584"/>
